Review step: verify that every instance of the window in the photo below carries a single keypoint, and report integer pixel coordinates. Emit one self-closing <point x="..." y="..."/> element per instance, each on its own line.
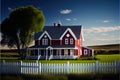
<point x="71" y="40"/>
<point x="85" y="52"/>
<point x="65" y="52"/>
<point x="66" y="41"/>
<point x="71" y="52"/>
<point x="68" y="35"/>
<point x="44" y="41"/>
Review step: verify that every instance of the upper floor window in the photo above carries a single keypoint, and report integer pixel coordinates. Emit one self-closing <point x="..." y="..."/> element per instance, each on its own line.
<point x="71" y="40"/>
<point x="44" y="41"/>
<point x="66" y="41"/>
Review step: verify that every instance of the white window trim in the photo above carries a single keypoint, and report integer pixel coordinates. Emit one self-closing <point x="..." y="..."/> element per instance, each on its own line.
<point x="68" y="29"/>
<point x="44" y="41"/>
<point x="45" y="32"/>
<point x="66" y="40"/>
<point x="71" y="40"/>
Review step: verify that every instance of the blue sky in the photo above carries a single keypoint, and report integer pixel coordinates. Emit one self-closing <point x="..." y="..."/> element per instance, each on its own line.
<point x="99" y="18"/>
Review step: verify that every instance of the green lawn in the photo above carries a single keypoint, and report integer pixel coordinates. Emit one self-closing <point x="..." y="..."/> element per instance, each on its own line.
<point x="101" y="58"/>
<point x="110" y="57"/>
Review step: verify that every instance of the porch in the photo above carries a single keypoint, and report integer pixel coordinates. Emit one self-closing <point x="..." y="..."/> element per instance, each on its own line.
<point x="49" y="53"/>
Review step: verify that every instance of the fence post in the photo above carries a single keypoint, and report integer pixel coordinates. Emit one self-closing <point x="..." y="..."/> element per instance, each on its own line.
<point x="96" y="67"/>
<point x="115" y="66"/>
<point x="68" y="64"/>
<point x="37" y="66"/>
<point x="3" y="61"/>
<point x="21" y="66"/>
<point x="2" y="68"/>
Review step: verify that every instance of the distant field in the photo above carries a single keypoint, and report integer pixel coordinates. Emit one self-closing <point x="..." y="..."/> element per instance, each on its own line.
<point x="106" y="47"/>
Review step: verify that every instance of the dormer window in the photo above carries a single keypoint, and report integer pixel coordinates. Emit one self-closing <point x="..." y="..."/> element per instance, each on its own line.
<point x="44" y="41"/>
<point x="66" y="40"/>
<point x="71" y="40"/>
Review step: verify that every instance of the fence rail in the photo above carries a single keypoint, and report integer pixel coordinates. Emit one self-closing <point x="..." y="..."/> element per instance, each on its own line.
<point x="58" y="68"/>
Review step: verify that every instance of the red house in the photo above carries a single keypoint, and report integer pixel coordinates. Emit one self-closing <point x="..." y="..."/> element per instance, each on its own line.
<point x="59" y="42"/>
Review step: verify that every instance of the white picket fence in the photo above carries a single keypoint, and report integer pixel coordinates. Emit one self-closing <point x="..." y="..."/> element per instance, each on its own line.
<point x="58" y="68"/>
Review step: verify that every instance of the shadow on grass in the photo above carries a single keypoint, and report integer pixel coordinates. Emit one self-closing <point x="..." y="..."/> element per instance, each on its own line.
<point x="61" y="77"/>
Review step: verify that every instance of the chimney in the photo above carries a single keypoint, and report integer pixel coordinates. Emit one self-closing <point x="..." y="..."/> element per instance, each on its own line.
<point x="57" y="24"/>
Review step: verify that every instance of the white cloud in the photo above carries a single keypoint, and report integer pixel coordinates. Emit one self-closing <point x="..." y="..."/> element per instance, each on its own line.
<point x="107" y="40"/>
<point x="105" y="21"/>
<point x="101" y="29"/>
<point x="74" y="19"/>
<point x="68" y="19"/>
<point x="66" y="11"/>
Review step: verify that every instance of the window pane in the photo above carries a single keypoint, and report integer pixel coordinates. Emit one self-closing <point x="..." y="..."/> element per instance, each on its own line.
<point x="71" y="40"/>
<point x="66" y="41"/>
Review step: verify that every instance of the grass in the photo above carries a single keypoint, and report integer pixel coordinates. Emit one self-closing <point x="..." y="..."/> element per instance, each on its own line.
<point x="61" y="77"/>
<point x="109" y="57"/>
<point x="100" y="58"/>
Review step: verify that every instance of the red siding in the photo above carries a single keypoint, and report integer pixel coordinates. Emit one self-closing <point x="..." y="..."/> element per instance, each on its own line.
<point x="89" y="52"/>
<point x="78" y="44"/>
<point x="76" y="52"/>
<point x="62" y="52"/>
<point x="55" y="42"/>
<point x="63" y="39"/>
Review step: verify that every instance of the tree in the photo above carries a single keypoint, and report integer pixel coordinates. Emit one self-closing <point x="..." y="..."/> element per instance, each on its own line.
<point x="19" y="29"/>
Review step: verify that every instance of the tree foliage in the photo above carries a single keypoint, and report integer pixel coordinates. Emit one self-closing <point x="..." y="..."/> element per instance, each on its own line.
<point x="21" y="25"/>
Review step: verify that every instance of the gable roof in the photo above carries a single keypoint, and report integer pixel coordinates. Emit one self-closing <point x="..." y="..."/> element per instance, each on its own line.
<point x="55" y="32"/>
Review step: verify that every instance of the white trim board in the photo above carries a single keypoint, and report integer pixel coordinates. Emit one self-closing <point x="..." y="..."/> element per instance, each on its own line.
<point x="68" y="29"/>
<point x="45" y="32"/>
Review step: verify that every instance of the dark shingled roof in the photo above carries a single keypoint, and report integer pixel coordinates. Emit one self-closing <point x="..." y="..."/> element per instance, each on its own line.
<point x="56" y="32"/>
